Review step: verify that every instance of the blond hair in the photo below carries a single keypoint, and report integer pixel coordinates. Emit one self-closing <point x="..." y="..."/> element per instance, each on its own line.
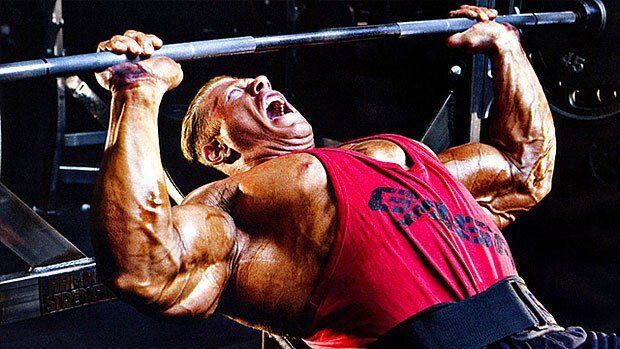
<point x="199" y="126"/>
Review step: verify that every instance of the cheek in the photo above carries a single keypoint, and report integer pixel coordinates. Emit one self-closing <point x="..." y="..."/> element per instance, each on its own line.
<point x="242" y="129"/>
<point x="243" y="121"/>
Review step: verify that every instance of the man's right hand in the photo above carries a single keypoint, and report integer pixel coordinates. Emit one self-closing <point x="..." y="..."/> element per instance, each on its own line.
<point x="160" y="72"/>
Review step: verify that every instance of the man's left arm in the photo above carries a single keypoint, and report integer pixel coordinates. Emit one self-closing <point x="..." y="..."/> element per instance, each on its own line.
<point x="511" y="172"/>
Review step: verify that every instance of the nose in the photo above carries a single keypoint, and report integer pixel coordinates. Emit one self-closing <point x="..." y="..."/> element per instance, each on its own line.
<point x="258" y="84"/>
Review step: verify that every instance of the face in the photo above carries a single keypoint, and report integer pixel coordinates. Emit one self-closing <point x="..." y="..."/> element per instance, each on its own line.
<point x="257" y="121"/>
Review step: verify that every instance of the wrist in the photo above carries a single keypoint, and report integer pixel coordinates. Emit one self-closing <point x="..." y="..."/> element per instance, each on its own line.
<point x="133" y="78"/>
<point x="144" y="95"/>
<point x="506" y="43"/>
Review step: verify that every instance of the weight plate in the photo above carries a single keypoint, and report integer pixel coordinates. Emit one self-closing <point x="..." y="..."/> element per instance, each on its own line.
<point x="578" y="68"/>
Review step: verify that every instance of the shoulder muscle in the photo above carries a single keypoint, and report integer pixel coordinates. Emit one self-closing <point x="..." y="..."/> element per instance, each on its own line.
<point x="298" y="172"/>
<point x="380" y="149"/>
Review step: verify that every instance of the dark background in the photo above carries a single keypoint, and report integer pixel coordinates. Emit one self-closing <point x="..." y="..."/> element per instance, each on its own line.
<point x="566" y="247"/>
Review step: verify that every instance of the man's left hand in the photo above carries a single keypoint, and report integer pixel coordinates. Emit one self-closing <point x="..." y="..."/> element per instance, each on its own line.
<point x="486" y="36"/>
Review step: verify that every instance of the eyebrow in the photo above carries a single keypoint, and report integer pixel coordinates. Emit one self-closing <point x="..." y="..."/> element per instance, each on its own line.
<point x="238" y="84"/>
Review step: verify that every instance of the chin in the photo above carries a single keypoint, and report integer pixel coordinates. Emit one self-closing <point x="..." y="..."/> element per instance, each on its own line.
<point x="295" y="128"/>
<point x="302" y="130"/>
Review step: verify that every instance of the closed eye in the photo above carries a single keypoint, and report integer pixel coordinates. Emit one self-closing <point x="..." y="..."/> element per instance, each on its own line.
<point x="233" y="94"/>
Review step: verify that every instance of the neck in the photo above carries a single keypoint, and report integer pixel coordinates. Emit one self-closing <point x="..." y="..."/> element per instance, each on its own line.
<point x="243" y="165"/>
<point x="251" y="159"/>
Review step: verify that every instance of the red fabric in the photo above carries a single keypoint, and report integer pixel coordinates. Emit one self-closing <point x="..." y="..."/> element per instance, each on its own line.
<point x="407" y="240"/>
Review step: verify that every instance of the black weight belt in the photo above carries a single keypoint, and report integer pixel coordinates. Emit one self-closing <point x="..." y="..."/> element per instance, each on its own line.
<point x="506" y="308"/>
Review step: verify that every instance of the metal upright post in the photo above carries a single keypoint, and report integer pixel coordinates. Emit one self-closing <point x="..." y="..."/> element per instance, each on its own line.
<point x="481" y="88"/>
<point x="61" y="116"/>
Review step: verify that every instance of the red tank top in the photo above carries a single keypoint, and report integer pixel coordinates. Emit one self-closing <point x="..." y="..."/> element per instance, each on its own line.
<point x="407" y="240"/>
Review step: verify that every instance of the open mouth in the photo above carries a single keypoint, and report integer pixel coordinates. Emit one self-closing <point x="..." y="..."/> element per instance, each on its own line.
<point x="276" y="108"/>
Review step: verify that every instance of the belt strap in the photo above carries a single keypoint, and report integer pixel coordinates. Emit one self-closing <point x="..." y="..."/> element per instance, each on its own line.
<point x="504" y="309"/>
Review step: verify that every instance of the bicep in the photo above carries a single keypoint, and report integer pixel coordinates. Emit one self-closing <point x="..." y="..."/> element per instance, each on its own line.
<point x="491" y="178"/>
<point x="208" y="240"/>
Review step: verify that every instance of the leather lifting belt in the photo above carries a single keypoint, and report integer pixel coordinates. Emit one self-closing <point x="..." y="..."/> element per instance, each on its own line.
<point x="506" y="308"/>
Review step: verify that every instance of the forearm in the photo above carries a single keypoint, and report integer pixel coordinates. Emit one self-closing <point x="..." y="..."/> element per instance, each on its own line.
<point x="523" y="130"/>
<point x="513" y="171"/>
<point x="133" y="225"/>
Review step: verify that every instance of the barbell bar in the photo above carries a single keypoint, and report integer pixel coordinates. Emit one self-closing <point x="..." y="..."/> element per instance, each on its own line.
<point x="590" y="15"/>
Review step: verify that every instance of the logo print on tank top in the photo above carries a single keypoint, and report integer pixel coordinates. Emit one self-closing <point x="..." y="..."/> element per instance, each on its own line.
<point x="409" y="208"/>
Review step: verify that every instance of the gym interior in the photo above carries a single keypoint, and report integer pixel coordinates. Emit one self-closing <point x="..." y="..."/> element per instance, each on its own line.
<point x="52" y="140"/>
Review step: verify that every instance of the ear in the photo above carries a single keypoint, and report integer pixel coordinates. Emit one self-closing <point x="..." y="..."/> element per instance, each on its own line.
<point x="216" y="152"/>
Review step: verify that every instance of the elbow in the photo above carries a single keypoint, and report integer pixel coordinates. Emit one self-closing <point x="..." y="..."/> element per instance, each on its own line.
<point x="536" y="177"/>
<point x="162" y="299"/>
<point x="186" y="311"/>
<point x="536" y="184"/>
<point x="144" y="296"/>
<point x="543" y="188"/>
<point x="543" y="174"/>
<point x="141" y="292"/>
<point x="538" y="193"/>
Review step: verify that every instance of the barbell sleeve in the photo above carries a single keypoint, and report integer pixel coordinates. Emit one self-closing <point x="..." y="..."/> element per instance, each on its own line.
<point x="189" y="51"/>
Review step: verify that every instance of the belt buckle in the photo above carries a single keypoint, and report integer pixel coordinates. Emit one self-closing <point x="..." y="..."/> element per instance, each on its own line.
<point x="541" y="314"/>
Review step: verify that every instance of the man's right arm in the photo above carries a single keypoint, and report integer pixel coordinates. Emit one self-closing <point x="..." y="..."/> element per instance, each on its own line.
<point x="174" y="261"/>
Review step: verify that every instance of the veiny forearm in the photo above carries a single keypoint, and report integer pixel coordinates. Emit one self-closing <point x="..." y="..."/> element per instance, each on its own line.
<point x="513" y="171"/>
<point x="523" y="129"/>
<point x="132" y="218"/>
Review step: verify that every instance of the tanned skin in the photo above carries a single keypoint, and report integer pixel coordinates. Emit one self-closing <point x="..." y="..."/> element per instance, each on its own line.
<point x="254" y="245"/>
<point x="513" y="171"/>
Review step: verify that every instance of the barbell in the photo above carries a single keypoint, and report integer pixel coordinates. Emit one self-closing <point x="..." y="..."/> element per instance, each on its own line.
<point x="580" y="73"/>
<point x="588" y="15"/>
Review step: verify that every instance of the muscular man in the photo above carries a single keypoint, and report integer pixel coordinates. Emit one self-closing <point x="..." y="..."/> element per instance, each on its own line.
<point x="336" y="246"/>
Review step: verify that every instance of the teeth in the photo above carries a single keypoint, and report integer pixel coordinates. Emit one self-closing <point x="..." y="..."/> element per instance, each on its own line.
<point x="276" y="107"/>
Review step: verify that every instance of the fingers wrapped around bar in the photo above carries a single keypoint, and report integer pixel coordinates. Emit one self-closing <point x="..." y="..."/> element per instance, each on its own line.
<point x="474" y="12"/>
<point x="133" y="43"/>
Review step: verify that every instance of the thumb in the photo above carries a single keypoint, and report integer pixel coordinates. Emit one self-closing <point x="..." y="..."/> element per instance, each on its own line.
<point x="106" y="75"/>
<point x="103" y="78"/>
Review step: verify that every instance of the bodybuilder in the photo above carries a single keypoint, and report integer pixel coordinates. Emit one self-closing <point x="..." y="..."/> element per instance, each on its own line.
<point x="336" y="246"/>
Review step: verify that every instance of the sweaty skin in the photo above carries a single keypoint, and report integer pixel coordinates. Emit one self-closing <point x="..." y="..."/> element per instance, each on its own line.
<point x="254" y="245"/>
